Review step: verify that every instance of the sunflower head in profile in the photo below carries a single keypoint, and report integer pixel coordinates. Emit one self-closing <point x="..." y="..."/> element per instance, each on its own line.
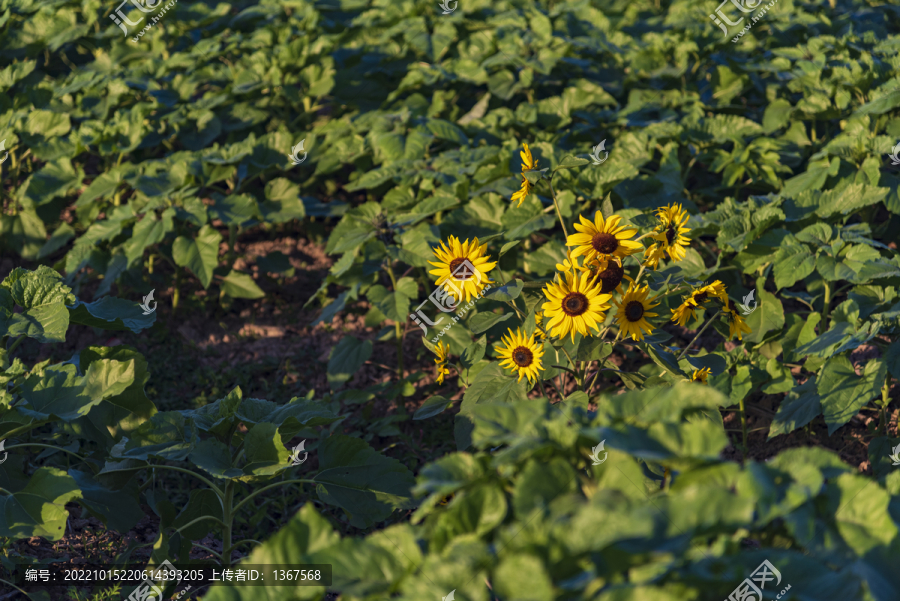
<point x="697" y="299"/>
<point x="700" y="375"/>
<point x="521" y="354"/>
<point x="528" y="164"/>
<point x="670" y="236"/>
<point x="574" y="304"/>
<point x="634" y="309"/>
<point x="443" y="355"/>
<point x="737" y="325"/>
<point x="462" y="267"/>
<point x="603" y="239"/>
<point x="652" y="255"/>
<point x="610" y="275"/>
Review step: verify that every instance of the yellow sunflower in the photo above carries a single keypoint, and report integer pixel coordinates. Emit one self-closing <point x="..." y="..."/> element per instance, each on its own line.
<point x="574" y="305"/>
<point x="737" y="326"/>
<point x="671" y="232"/>
<point x="610" y="275"/>
<point x="603" y="239"/>
<point x="652" y="255"/>
<point x="521" y="354"/>
<point x="528" y="163"/>
<point x="699" y="297"/>
<point x="454" y="275"/>
<point x="443" y="353"/>
<point x="700" y="375"/>
<point x="634" y="311"/>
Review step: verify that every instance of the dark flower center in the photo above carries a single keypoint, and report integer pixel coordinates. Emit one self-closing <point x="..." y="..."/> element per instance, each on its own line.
<point x="604" y="243"/>
<point x="463" y="275"/>
<point x="701" y="298"/>
<point x="522" y="356"/>
<point x="634" y="311"/>
<point x="670" y="235"/>
<point x="574" y="304"/>
<point x="611" y="277"/>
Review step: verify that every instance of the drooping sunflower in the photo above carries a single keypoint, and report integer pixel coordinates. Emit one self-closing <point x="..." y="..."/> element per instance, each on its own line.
<point x="454" y="275"/>
<point x="698" y="298"/>
<point x="528" y="163"/>
<point x="574" y="304"/>
<point x="603" y="239"/>
<point x="737" y="326"/>
<point x="634" y="309"/>
<point x="521" y="354"/>
<point x="443" y="355"/>
<point x="610" y="275"/>
<point x="652" y="255"/>
<point x="671" y="232"/>
<point x="700" y="375"/>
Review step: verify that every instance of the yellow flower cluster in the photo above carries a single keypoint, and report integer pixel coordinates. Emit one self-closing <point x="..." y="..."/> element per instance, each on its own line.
<point x="703" y="295"/>
<point x="528" y="163"/>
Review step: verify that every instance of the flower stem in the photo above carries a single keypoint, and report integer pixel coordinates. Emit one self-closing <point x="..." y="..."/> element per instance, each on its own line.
<point x="556" y="204"/>
<point x="703" y="329"/>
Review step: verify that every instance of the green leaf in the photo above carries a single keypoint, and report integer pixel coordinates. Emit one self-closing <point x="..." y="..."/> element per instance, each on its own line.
<point x="473" y="353"/>
<point x="569" y="161"/>
<point x="447" y="131"/>
<point x="843" y="393"/>
<point x="394" y="304"/>
<point x="360" y="480"/>
<point x="117" y="509"/>
<point x="346" y="358"/>
<point x="482" y="322"/>
<point x="433" y="406"/>
<point x="266" y="455"/>
<point x="241" y="285"/>
<point x="506" y="293"/>
<point x="200" y="255"/>
<point x="523" y="577"/>
<point x="202" y="502"/>
<point x="39" y="509"/>
<point x="797" y="409"/>
<point x="768" y="316"/>
<point x="110" y="313"/>
<point x="862" y="519"/>
<point x="167" y="435"/>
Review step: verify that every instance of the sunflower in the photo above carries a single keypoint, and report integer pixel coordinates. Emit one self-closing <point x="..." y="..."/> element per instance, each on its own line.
<point x="443" y="353"/>
<point x="528" y="163"/>
<point x="700" y="375"/>
<point x="652" y="255"/>
<point x="671" y="232"/>
<point x="737" y="326"/>
<point x="698" y="298"/>
<point x="603" y="239"/>
<point x="521" y="354"/>
<point x="610" y="274"/>
<point x="634" y="311"/>
<point x="451" y="257"/>
<point x="574" y="305"/>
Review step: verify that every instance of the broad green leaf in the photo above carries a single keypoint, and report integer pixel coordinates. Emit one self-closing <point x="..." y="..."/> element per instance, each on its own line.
<point x="768" y="316"/>
<point x="431" y="407"/>
<point x="843" y="393"/>
<point x="117" y="509"/>
<point x="39" y="509"/>
<point x="346" y="358"/>
<point x="797" y="409"/>
<point x="110" y="313"/>
<point x="360" y="480"/>
<point x="241" y="285"/>
<point x="200" y="255"/>
<point x="482" y="322"/>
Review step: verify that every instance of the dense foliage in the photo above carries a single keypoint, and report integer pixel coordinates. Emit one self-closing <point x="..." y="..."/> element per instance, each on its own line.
<point x="756" y="166"/>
